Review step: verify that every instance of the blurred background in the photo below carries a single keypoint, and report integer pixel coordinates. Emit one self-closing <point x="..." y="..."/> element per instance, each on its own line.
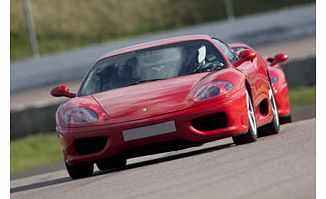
<point x="56" y="42"/>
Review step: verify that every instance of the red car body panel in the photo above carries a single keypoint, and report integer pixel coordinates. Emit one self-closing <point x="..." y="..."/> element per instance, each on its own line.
<point x="237" y="123"/>
<point x="171" y="94"/>
<point x="163" y="101"/>
<point x="280" y="87"/>
<point x="281" y="91"/>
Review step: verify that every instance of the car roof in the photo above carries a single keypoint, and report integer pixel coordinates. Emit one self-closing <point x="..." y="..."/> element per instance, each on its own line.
<point x="160" y="42"/>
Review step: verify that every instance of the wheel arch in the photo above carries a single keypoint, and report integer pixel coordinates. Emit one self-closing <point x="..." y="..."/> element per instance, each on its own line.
<point x="248" y="87"/>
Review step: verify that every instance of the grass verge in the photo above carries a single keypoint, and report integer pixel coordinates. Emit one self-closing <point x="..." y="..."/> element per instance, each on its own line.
<point x="62" y="24"/>
<point x="302" y="96"/>
<point x="41" y="150"/>
<point x="33" y="151"/>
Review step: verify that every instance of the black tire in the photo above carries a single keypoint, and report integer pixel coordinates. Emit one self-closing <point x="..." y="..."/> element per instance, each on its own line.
<point x="111" y="163"/>
<point x="251" y="135"/>
<point x="80" y="171"/>
<point x="284" y="120"/>
<point x="274" y="126"/>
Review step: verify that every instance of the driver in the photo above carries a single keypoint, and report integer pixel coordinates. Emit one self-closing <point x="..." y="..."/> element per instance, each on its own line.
<point x="124" y="76"/>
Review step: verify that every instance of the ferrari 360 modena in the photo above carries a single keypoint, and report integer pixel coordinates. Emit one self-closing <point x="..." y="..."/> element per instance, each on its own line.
<point x="161" y="96"/>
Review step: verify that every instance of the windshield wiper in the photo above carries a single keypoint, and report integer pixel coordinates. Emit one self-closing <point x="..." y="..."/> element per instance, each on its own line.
<point x="208" y="68"/>
<point x="148" y="80"/>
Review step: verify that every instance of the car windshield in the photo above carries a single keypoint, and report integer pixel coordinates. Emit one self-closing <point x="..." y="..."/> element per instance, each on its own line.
<point x="151" y="64"/>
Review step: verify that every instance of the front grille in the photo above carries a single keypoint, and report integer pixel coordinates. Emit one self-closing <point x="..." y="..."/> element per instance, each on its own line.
<point x="210" y="122"/>
<point x="84" y="146"/>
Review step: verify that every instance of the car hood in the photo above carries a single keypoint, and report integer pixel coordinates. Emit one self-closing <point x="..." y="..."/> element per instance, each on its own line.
<point x="148" y="99"/>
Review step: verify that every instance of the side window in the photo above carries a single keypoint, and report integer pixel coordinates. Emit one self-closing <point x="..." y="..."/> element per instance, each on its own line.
<point x="208" y="53"/>
<point x="225" y="49"/>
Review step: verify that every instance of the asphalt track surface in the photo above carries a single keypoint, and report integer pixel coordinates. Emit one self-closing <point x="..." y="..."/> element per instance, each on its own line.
<point x="277" y="166"/>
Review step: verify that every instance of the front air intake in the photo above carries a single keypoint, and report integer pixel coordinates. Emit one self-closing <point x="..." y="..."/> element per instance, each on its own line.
<point x="210" y="122"/>
<point x="84" y="146"/>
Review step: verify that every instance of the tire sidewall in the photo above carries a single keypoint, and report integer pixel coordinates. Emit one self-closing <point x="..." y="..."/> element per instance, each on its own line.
<point x="276" y="119"/>
<point x="252" y="129"/>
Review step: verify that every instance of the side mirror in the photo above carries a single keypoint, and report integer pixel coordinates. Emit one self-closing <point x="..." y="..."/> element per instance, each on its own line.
<point x="62" y="91"/>
<point x="279" y="58"/>
<point x="245" y="55"/>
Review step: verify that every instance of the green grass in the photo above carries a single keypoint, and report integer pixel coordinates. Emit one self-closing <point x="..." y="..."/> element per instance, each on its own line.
<point x="62" y="24"/>
<point x="42" y="150"/>
<point x="34" y="151"/>
<point x="302" y="96"/>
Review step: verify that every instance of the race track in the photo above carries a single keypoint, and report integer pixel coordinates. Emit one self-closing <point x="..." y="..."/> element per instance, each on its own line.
<point x="278" y="166"/>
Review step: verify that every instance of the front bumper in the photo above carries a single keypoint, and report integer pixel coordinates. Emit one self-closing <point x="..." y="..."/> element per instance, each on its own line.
<point x="234" y="108"/>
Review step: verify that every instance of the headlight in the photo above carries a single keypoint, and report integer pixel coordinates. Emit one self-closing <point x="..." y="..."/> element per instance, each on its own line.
<point x="213" y="89"/>
<point x="80" y="116"/>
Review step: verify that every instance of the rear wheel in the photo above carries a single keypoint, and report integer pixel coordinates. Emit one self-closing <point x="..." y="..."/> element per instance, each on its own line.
<point x="80" y="171"/>
<point x="274" y="126"/>
<point x="111" y="163"/>
<point x="251" y="135"/>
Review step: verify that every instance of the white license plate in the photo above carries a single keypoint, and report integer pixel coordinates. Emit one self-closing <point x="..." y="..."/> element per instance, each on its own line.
<point x="149" y="131"/>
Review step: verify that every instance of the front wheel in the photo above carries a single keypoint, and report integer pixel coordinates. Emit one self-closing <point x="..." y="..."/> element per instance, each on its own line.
<point x="251" y="135"/>
<point x="80" y="171"/>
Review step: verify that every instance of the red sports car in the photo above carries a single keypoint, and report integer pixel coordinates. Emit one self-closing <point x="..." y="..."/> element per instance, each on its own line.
<point x="161" y="96"/>
<point x="278" y="81"/>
